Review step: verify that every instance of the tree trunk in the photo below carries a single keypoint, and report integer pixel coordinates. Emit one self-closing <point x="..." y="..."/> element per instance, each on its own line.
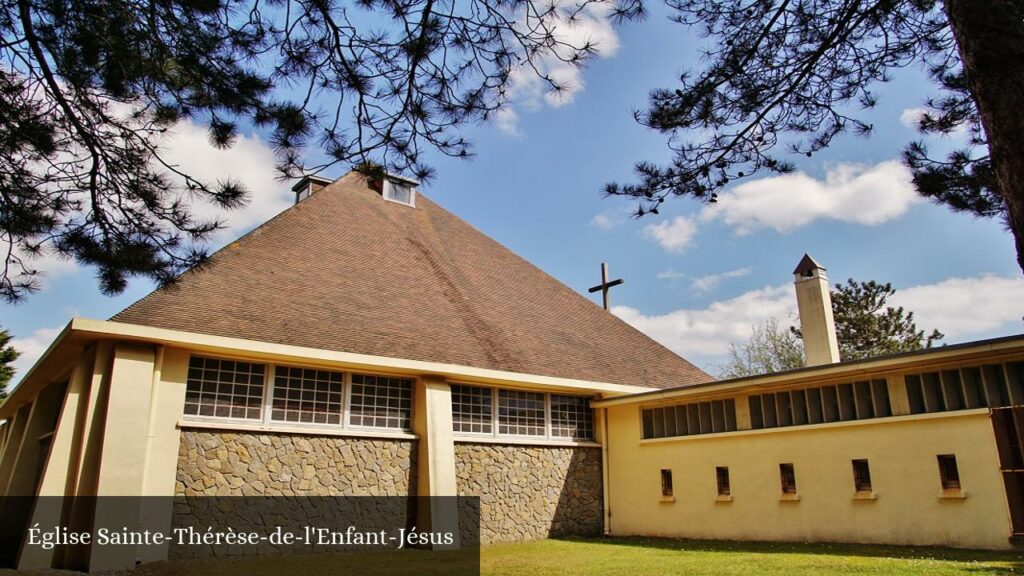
<point x="990" y="38"/>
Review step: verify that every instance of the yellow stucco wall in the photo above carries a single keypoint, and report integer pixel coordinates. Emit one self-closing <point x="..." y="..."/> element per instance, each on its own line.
<point x="904" y="471"/>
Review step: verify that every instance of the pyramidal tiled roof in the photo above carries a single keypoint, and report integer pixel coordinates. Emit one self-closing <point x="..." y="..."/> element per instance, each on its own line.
<point x="346" y="270"/>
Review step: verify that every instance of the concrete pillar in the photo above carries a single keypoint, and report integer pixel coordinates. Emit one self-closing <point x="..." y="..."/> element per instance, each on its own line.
<point x="898" y="401"/>
<point x="12" y="445"/>
<point x="60" y="474"/>
<point x="166" y="408"/>
<point x="89" y="452"/>
<point x="743" y="412"/>
<point x="42" y="416"/>
<point x="814" y="301"/>
<point x="125" y="437"/>
<point x="4" y="429"/>
<point x="432" y="423"/>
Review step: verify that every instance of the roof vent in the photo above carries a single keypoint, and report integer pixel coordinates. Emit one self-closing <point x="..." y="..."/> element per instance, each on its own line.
<point x="399" y="189"/>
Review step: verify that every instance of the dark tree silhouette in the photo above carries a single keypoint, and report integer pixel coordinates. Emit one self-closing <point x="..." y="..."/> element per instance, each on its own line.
<point x="87" y="89"/>
<point x="788" y="76"/>
<point x="7" y="357"/>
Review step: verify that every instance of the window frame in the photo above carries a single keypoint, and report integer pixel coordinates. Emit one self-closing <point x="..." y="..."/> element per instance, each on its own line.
<point x="948" y="483"/>
<point x="862" y="483"/>
<point x="787" y="471"/>
<point x="667" y="486"/>
<point x="391" y="182"/>
<point x="265" y="421"/>
<point x="267" y="377"/>
<point x="495" y="433"/>
<point x="722" y="472"/>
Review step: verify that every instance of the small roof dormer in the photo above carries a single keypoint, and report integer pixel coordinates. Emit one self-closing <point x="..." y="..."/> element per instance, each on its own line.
<point x="395" y="188"/>
<point x="309" y="185"/>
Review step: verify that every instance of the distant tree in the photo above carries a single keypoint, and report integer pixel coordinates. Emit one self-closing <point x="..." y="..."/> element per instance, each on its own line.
<point x="866" y="326"/>
<point x="7" y="357"/>
<point x="771" y="348"/>
<point x="789" y="75"/>
<point x="87" y="89"/>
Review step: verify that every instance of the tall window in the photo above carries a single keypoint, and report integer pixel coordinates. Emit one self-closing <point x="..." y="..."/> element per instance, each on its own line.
<point x="861" y="476"/>
<point x="380" y="402"/>
<point x="224" y="388"/>
<point x="520" y="413"/>
<point x="722" y="476"/>
<point x="788" y="478"/>
<point x="949" y="474"/>
<point x="666" y="483"/>
<point x="472" y="409"/>
<point x="306" y="395"/>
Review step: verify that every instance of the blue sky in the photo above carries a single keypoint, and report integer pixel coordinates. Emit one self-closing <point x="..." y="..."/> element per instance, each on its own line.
<point x="696" y="278"/>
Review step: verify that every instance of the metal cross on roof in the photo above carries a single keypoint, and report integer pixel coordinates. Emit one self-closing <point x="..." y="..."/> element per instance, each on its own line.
<point x="605" y="285"/>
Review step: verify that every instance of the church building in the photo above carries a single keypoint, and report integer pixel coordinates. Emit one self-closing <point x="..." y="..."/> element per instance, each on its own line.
<point x="367" y="342"/>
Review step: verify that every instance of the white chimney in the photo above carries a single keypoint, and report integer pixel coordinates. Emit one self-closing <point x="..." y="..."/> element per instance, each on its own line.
<point x="815" y="304"/>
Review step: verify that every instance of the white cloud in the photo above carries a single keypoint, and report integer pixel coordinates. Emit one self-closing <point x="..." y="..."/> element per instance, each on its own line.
<point x="506" y="119"/>
<point x="31" y="348"/>
<point x="591" y="25"/>
<point x="674" y="235"/>
<point x="47" y="264"/>
<point x="849" y="193"/>
<point x="963" y="309"/>
<point x="711" y="281"/>
<point x="187" y="147"/>
<point x="911" y="118"/>
<point x="670" y="274"/>
<point x="966" y="307"/>
<point x="611" y="217"/>
<point x="248" y="160"/>
<point x="707" y="332"/>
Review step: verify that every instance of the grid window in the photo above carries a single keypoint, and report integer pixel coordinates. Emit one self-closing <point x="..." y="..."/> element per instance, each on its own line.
<point x="520" y="413"/>
<point x="861" y="476"/>
<point x="666" y="483"/>
<point x="307" y="396"/>
<point x="571" y="417"/>
<point x="949" y="475"/>
<point x="787" y="476"/>
<point x="472" y="409"/>
<point x="380" y="402"/>
<point x="722" y="476"/>
<point x="224" y="388"/>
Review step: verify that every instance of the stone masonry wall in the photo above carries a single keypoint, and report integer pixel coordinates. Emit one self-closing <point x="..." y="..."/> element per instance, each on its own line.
<point x="215" y="463"/>
<point x="322" y="479"/>
<point x="532" y="492"/>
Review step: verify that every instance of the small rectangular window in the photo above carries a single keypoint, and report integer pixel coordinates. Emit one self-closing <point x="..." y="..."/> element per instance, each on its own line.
<point x="722" y="476"/>
<point x="948" y="472"/>
<point x="788" y="478"/>
<point x="666" y="483"/>
<point x="401" y="192"/>
<point x="861" y="476"/>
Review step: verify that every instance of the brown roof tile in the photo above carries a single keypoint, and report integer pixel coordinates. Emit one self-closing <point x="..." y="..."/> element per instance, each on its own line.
<point x="345" y="270"/>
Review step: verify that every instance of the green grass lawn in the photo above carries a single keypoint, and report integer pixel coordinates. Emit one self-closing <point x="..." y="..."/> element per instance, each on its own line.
<point x="646" y="556"/>
<point x="621" y="557"/>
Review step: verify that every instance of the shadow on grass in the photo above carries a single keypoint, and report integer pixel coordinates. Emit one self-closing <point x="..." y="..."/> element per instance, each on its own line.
<point x="1013" y="558"/>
